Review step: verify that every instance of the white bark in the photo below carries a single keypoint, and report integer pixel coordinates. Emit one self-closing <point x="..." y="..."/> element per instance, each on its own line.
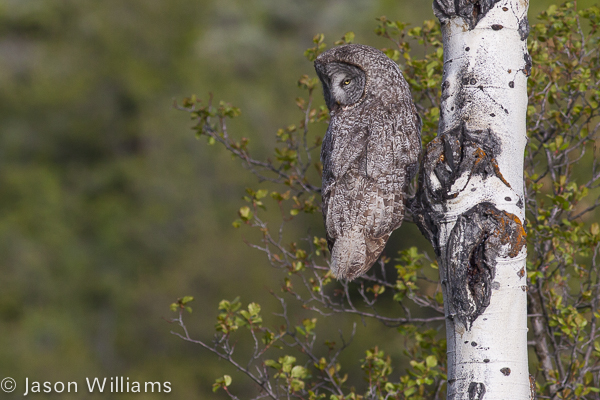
<point x="472" y="197"/>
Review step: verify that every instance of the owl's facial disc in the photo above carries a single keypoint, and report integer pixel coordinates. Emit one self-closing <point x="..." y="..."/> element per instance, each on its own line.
<point x="347" y="83"/>
<point x="343" y="84"/>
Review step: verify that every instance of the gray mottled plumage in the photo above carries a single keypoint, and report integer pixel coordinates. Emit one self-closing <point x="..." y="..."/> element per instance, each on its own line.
<point x="370" y="153"/>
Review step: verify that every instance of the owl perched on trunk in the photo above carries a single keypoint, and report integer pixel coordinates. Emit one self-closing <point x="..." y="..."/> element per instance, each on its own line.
<point x="370" y="154"/>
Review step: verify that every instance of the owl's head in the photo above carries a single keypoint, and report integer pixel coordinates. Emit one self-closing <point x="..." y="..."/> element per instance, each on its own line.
<point x="343" y="83"/>
<point x="354" y="73"/>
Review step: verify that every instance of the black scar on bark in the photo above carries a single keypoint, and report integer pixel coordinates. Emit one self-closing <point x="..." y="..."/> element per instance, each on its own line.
<point x="528" y="63"/>
<point x="447" y="157"/>
<point x="523" y="28"/>
<point x="476" y="391"/>
<point x="445" y="91"/>
<point x="520" y="203"/>
<point x="471" y="11"/>
<point x="479" y="237"/>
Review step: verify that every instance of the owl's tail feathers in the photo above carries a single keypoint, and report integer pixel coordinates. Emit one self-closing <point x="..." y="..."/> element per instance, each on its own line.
<point x="353" y="254"/>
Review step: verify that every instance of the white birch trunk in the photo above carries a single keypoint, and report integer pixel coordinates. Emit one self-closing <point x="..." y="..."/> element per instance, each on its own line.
<point x="470" y="202"/>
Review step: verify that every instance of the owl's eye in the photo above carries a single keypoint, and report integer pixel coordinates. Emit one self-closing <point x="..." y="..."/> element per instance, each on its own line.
<point x="347" y="82"/>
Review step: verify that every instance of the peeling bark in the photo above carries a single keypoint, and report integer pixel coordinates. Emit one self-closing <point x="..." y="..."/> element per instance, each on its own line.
<point x="469" y="203"/>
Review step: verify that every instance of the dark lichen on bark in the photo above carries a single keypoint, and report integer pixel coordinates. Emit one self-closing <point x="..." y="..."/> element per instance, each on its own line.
<point x="480" y="236"/>
<point x="471" y="11"/>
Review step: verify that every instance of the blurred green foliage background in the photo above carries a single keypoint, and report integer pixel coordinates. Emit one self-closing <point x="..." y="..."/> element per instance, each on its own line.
<point x="110" y="209"/>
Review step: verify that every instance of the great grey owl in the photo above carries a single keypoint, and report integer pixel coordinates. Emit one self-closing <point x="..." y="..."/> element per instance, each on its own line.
<point x="369" y="154"/>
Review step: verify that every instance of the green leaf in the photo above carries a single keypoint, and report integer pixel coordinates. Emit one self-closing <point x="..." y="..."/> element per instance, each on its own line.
<point x="221" y="382"/>
<point x="254" y="308"/>
<point x="298" y="372"/>
<point x="431" y="361"/>
<point x="261" y="193"/>
<point x="272" y="364"/>
<point x="245" y="213"/>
